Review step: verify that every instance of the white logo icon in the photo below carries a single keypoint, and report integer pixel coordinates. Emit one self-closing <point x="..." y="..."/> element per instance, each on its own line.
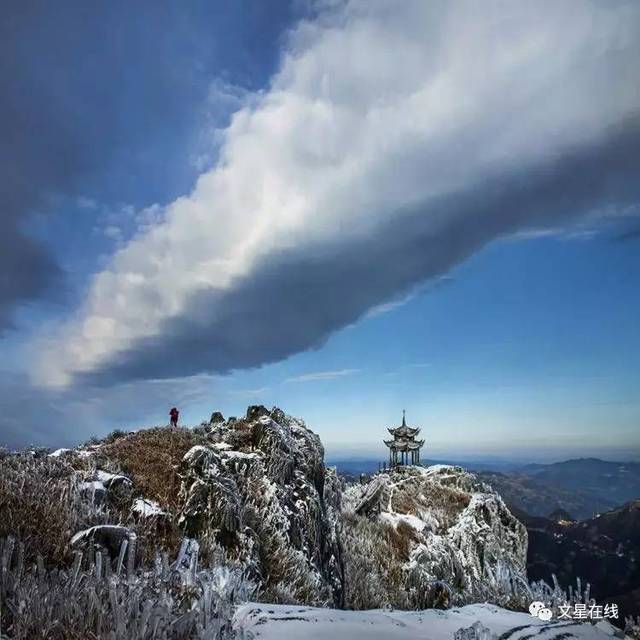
<point x="539" y="610"/>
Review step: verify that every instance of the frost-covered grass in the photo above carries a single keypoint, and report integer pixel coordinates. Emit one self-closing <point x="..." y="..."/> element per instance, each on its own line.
<point x="40" y="503"/>
<point x="45" y="500"/>
<point x="95" y="598"/>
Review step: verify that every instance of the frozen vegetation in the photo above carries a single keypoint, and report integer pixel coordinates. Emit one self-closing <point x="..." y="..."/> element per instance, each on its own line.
<point x="95" y="598"/>
<point x="178" y="533"/>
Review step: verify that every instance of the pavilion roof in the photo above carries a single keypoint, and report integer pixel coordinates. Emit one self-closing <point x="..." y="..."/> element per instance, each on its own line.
<point x="404" y="431"/>
<point x="404" y="445"/>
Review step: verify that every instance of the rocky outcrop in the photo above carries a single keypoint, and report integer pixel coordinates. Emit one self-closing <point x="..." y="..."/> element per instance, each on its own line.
<point x="260" y="489"/>
<point x="431" y="536"/>
<point x="216" y="418"/>
<point x="257" y="489"/>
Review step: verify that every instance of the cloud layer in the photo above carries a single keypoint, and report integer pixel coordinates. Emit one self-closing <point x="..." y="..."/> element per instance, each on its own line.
<point x="395" y="140"/>
<point x="100" y="99"/>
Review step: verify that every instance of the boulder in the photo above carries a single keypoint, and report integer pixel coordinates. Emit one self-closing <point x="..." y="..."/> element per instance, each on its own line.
<point x="216" y="418"/>
<point x="106" y="536"/>
<point x="256" y="411"/>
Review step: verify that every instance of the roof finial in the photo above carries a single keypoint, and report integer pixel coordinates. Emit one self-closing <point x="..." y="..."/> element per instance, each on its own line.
<point x="404" y="422"/>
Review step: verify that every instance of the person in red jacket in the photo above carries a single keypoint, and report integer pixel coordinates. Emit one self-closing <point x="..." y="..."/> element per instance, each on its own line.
<point x="173" y="415"/>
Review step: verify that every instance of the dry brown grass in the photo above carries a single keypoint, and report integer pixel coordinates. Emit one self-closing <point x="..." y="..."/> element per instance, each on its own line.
<point x="242" y="435"/>
<point x="151" y="458"/>
<point x="373" y="571"/>
<point x="401" y="538"/>
<point x="445" y="503"/>
<point x="39" y="505"/>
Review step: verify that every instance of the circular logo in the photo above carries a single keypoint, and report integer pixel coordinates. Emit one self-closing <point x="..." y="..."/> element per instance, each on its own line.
<point x="545" y="614"/>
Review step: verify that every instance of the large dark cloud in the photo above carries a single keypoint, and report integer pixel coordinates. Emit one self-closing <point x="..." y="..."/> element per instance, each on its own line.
<point x="105" y="97"/>
<point x="294" y="301"/>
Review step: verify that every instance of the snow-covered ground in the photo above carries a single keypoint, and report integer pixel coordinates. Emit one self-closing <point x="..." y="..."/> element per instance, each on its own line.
<point x="288" y="622"/>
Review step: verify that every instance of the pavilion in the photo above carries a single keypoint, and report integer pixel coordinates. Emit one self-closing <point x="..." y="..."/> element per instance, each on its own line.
<point x="404" y="448"/>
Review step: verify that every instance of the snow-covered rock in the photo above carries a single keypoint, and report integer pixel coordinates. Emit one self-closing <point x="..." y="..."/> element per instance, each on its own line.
<point x="418" y="536"/>
<point x="148" y="508"/>
<point x="112" y="480"/>
<point x="283" y="622"/>
<point x="108" y="536"/>
<point x="117" y="486"/>
<point x="59" y="452"/>
<point x="261" y="491"/>
<point x="94" y="491"/>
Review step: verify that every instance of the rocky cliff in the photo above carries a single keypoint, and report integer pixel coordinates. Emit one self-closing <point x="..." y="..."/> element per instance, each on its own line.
<point x="260" y="489"/>
<point x="436" y="536"/>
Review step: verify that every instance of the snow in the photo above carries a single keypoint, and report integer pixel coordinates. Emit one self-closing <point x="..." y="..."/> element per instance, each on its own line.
<point x="94" y="485"/>
<point x="396" y="518"/>
<point x="195" y="451"/>
<point x="287" y="622"/>
<point x="221" y="446"/>
<point x="239" y="455"/>
<point x="439" y="468"/>
<point x="58" y="452"/>
<point x="106" y="477"/>
<point x="147" y="508"/>
<point x="88" y="534"/>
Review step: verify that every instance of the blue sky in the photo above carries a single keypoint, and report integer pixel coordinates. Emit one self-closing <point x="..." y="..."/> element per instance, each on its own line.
<point x="343" y="209"/>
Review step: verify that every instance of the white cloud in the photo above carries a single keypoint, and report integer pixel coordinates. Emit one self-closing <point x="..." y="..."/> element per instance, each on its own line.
<point x="323" y="375"/>
<point x="112" y="232"/>
<point x="395" y="139"/>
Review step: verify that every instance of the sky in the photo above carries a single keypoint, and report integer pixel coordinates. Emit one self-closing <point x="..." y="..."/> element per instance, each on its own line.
<point x="344" y="208"/>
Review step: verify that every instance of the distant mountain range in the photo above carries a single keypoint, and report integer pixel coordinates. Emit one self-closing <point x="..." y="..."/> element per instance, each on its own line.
<point x="582" y="487"/>
<point x="612" y="482"/>
<point x="536" y="498"/>
<point x="603" y="551"/>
